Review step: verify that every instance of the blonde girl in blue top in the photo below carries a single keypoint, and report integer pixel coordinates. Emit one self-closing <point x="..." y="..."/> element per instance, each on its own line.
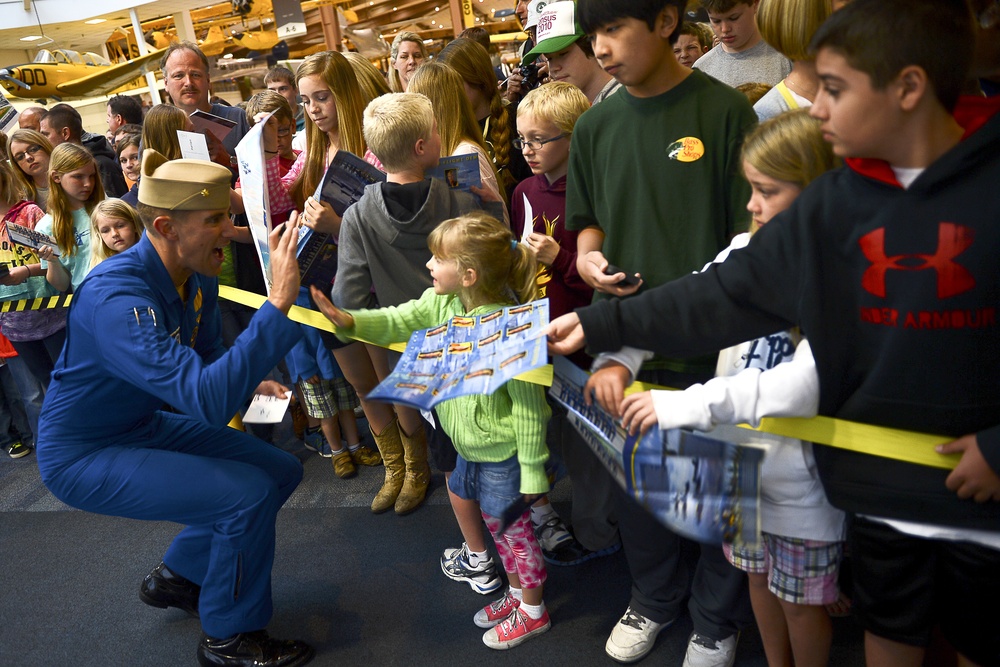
<point x="114" y="227"/>
<point x="74" y="190"/>
<point x="477" y="268"/>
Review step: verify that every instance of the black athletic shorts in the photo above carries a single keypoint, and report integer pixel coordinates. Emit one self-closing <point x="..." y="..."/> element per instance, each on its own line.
<point x="904" y="586"/>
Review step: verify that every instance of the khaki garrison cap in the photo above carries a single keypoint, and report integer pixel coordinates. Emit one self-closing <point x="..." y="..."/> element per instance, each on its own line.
<point x="183" y="185"/>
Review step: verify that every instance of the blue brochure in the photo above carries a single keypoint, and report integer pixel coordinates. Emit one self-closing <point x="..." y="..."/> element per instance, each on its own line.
<point x="459" y="171"/>
<point x="704" y="486"/>
<point x="343" y="184"/>
<point x="467" y="355"/>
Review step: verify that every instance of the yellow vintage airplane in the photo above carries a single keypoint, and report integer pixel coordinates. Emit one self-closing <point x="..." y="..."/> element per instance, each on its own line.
<point x="63" y="74"/>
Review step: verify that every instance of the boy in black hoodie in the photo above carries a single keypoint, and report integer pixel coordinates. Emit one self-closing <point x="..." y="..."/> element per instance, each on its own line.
<point x="890" y="265"/>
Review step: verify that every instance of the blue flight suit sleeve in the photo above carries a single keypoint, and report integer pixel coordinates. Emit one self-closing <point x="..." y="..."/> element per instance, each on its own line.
<point x="205" y="382"/>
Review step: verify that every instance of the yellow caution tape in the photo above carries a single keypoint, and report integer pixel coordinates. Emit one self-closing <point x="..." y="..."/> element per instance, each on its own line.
<point x="44" y="303"/>
<point x="906" y="446"/>
<point x="311" y="318"/>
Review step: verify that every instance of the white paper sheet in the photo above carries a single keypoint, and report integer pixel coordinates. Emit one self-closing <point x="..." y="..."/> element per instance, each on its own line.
<point x="266" y="409"/>
<point x="194" y="146"/>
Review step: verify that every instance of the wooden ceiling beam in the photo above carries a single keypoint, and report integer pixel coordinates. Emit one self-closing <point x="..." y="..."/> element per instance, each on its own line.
<point x="403" y="11"/>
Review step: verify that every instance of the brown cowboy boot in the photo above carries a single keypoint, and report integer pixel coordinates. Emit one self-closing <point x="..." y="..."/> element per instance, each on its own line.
<point x="418" y="473"/>
<point x="391" y="448"/>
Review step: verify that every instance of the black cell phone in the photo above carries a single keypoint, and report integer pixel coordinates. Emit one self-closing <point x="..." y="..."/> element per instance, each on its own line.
<point x="630" y="278"/>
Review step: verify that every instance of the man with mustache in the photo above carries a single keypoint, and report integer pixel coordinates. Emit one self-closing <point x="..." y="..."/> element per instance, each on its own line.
<point x="185" y="77"/>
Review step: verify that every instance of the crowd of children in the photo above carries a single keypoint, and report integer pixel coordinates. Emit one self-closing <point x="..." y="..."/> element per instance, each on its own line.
<point x="889" y="105"/>
<point x="609" y="189"/>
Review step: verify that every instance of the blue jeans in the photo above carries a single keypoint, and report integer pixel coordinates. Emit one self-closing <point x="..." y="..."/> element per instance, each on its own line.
<point x="40" y="356"/>
<point x="12" y="411"/>
<point x="496" y="485"/>
<point x="31" y="392"/>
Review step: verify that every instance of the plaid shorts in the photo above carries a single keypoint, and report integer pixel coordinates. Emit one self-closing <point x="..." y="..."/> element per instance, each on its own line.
<point x="329" y="397"/>
<point x="798" y="571"/>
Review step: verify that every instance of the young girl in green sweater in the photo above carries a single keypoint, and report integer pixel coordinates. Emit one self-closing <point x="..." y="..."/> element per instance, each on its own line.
<point x="479" y="267"/>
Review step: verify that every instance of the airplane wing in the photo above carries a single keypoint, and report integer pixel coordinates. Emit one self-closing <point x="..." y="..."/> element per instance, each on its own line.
<point x="106" y="79"/>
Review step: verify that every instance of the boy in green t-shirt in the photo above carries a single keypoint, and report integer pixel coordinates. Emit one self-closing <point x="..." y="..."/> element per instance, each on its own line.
<point x="663" y="220"/>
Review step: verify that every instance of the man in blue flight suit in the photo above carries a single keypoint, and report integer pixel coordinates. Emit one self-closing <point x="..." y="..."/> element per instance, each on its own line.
<point x="143" y="334"/>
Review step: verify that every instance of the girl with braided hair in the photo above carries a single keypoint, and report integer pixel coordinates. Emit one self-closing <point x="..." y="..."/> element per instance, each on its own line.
<point x="472" y="62"/>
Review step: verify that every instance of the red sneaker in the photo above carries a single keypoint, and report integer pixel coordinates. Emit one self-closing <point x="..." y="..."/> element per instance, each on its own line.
<point x="493" y="613"/>
<point x="515" y="629"/>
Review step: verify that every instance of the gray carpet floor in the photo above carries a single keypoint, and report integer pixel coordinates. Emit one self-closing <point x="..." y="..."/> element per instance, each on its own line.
<point x="365" y="590"/>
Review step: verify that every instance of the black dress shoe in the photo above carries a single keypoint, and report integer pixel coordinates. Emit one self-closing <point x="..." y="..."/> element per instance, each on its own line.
<point x="253" y="649"/>
<point x="162" y="588"/>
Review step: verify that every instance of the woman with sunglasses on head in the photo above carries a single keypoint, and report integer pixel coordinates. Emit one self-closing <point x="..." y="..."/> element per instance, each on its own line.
<point x="29" y="152"/>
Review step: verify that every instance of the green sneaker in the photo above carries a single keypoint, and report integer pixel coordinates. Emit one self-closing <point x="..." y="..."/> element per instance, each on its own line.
<point x="17" y="450"/>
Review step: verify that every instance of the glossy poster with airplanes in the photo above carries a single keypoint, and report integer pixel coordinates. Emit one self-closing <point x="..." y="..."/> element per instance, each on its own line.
<point x="467" y="355"/>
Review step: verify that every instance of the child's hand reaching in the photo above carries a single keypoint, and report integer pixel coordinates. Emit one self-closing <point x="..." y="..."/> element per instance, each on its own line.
<point x="638" y="412"/>
<point x="607" y="386"/>
<point x="342" y="319"/>
<point x="972" y="477"/>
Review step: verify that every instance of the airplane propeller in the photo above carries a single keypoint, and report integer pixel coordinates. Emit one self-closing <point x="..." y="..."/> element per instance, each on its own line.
<point x="5" y="76"/>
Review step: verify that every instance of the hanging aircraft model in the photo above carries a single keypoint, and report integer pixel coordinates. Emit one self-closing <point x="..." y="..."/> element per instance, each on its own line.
<point x="63" y="74"/>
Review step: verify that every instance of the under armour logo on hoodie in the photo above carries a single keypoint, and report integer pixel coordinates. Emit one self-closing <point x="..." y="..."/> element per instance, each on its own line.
<point x="952" y="277"/>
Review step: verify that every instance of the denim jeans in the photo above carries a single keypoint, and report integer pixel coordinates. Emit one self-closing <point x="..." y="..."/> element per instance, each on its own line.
<point x="496" y="485"/>
<point x="12" y="412"/>
<point x="40" y="356"/>
<point x="31" y="394"/>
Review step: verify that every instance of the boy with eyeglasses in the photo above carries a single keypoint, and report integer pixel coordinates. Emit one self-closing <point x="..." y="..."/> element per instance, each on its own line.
<point x="545" y="121"/>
